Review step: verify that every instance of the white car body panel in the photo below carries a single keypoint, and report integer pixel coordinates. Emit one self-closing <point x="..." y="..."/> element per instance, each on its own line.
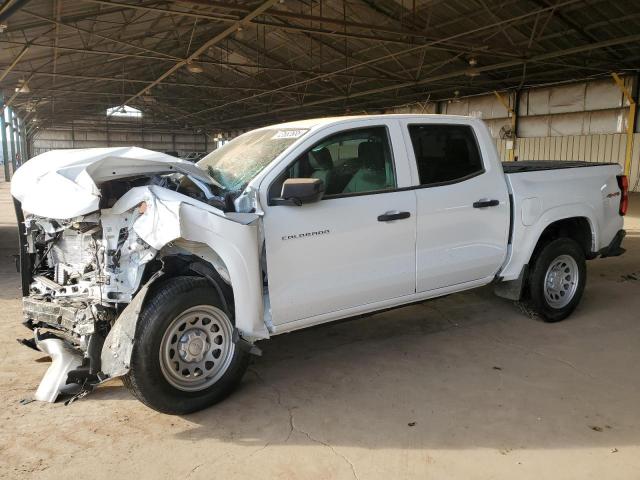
<point x="455" y="242"/>
<point x="457" y="247"/>
<point x="232" y="238"/>
<point x="333" y="271"/>
<point x="543" y="197"/>
<point x="64" y="183"/>
<point x="377" y="306"/>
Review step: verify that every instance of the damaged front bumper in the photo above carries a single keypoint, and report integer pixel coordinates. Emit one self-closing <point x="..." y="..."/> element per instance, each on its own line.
<point x="76" y="320"/>
<point x="64" y="360"/>
<point x="90" y="295"/>
<point x="71" y="319"/>
<point x="79" y="366"/>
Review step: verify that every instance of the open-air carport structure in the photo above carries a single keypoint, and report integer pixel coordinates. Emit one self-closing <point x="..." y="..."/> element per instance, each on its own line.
<point x="461" y="386"/>
<point x="212" y="65"/>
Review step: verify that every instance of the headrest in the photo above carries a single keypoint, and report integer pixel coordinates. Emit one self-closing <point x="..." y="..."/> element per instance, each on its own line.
<point x="321" y="159"/>
<point x="370" y="155"/>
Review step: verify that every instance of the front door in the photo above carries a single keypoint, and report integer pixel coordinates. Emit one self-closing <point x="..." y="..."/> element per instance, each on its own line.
<point x="354" y="247"/>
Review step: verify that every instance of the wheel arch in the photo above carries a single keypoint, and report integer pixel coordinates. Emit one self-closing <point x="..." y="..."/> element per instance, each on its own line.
<point x="577" y="221"/>
<point x="577" y="228"/>
<point x="186" y="263"/>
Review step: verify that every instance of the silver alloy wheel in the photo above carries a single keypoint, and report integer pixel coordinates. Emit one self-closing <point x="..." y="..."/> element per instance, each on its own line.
<point x="197" y="348"/>
<point x="561" y="281"/>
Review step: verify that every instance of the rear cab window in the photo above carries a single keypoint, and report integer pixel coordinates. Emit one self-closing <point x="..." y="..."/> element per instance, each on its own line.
<point x="445" y="154"/>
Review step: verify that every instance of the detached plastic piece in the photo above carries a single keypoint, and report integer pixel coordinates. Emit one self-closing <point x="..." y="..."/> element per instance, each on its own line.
<point x="63" y="360"/>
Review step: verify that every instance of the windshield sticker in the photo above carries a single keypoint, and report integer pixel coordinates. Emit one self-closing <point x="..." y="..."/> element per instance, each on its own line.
<point x="288" y="134"/>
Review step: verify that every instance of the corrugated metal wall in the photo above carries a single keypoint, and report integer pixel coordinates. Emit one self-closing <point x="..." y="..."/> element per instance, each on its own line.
<point x="589" y="148"/>
<point x="575" y="121"/>
<point x="51" y="139"/>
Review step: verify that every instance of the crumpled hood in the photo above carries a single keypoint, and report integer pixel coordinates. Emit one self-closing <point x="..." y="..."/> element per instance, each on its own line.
<point x="64" y="183"/>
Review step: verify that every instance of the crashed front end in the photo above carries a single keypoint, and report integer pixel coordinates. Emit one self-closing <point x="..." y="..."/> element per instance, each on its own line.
<point x="78" y="276"/>
<point x="88" y="259"/>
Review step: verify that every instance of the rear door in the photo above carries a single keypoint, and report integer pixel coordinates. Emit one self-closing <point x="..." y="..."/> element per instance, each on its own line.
<point x="354" y="247"/>
<point x="462" y="205"/>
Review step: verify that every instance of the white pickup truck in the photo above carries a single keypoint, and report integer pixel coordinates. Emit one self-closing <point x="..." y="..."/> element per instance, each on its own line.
<point x="140" y="265"/>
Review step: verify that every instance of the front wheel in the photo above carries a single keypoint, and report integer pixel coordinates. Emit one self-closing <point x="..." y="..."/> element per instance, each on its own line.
<point x="557" y="279"/>
<point x="184" y="358"/>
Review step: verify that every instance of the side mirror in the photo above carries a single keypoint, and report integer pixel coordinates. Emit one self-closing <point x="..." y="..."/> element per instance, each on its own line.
<point x="298" y="191"/>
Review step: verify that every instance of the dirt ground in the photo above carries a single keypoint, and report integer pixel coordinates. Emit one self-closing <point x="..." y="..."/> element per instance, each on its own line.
<point x="465" y="386"/>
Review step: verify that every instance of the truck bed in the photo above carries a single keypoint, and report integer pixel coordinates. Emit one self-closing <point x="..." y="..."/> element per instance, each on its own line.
<point x="539" y="165"/>
<point x="543" y="191"/>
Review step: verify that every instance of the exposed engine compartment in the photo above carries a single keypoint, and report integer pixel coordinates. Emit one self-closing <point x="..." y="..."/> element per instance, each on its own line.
<point x="84" y="270"/>
<point x="67" y="276"/>
<point x="97" y="230"/>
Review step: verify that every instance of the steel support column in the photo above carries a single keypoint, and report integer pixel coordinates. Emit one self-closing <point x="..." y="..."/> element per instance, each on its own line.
<point x="25" y="146"/>
<point x="512" y="119"/>
<point x="18" y="140"/>
<point x="3" y="133"/>
<point x="11" y="139"/>
<point x="630" y="121"/>
<point x="23" y="141"/>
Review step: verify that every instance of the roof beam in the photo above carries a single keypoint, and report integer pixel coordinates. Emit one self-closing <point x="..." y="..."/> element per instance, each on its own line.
<point x="205" y="46"/>
<point x="82" y="30"/>
<point x="458" y="73"/>
<point x="9" y="8"/>
<point x="407" y="51"/>
<point x="15" y="61"/>
<point x="138" y="81"/>
<point x="67" y="18"/>
<point x="280" y="14"/>
<point x="166" y="59"/>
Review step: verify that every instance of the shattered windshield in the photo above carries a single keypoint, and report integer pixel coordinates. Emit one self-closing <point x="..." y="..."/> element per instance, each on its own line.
<point x="235" y="164"/>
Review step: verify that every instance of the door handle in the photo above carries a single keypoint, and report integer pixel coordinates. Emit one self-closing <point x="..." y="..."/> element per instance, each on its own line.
<point x="390" y="216"/>
<point x="486" y="203"/>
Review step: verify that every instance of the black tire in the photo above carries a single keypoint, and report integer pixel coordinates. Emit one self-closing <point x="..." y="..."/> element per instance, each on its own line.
<point x="146" y="379"/>
<point x="536" y="299"/>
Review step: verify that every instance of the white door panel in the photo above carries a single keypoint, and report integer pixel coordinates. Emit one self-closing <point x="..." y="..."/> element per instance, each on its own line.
<point x="336" y="254"/>
<point x="456" y="242"/>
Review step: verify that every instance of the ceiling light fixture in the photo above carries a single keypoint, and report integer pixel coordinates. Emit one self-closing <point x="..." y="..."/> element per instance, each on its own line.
<point x="194" y="68"/>
<point x="22" y="86"/>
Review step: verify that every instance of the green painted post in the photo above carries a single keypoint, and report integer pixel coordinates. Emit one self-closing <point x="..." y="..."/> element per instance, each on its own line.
<point x="3" y="131"/>
<point x="25" y="146"/>
<point x="12" y="139"/>
<point x="18" y="140"/>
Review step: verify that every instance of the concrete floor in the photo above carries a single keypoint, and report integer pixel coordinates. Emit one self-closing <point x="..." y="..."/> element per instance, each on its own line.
<point x="461" y="387"/>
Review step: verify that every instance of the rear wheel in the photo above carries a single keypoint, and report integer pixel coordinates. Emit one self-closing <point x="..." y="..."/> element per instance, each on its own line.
<point x="184" y="358"/>
<point x="557" y="279"/>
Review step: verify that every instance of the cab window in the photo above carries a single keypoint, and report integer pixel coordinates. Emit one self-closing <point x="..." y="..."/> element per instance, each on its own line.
<point x="350" y="162"/>
<point x="445" y="153"/>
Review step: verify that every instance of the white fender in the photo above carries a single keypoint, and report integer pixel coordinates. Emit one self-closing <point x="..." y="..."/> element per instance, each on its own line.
<point x="527" y="238"/>
<point x="169" y="216"/>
